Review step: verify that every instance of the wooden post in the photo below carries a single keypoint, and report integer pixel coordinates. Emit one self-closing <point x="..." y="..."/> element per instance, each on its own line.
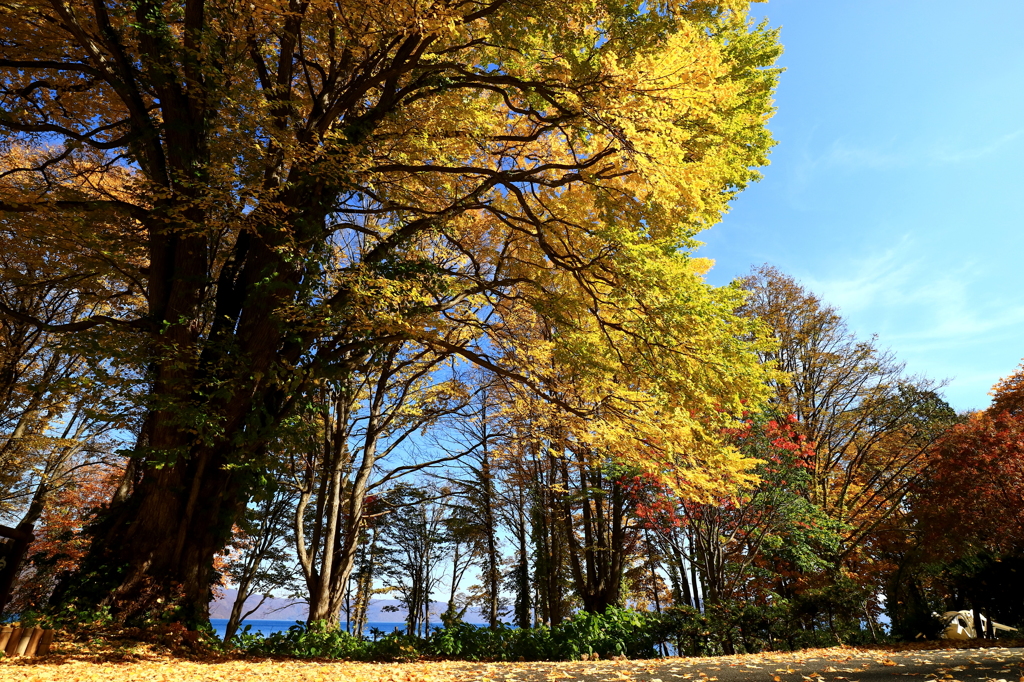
<point x="33" y="643"/>
<point x="26" y="638"/>
<point x="13" y="642"/>
<point x="25" y="641"/>
<point x="44" y="643"/>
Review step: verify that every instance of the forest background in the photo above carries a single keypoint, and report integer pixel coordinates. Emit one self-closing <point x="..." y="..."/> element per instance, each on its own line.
<point x="332" y="306"/>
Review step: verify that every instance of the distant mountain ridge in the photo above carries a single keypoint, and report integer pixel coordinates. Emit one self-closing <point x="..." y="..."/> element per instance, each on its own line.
<point x="289" y="609"/>
<point x="272" y="609"/>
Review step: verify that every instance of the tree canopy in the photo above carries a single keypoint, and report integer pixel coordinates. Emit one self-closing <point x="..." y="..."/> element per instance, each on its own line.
<point x="258" y="198"/>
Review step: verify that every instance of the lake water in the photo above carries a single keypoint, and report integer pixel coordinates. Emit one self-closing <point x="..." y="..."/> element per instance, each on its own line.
<point x="269" y="627"/>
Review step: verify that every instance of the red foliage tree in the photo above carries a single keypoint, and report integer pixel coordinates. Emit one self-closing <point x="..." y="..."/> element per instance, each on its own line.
<point x="60" y="543"/>
<point x="726" y="538"/>
<point x="969" y="513"/>
<point x="974" y="496"/>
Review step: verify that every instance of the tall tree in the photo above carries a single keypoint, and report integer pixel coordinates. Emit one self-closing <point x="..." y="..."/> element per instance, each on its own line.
<point x="870" y="424"/>
<point x="56" y="413"/>
<point x="311" y="180"/>
<point x="60" y="543"/>
<point x="474" y="435"/>
<point x="352" y="434"/>
<point x="415" y="540"/>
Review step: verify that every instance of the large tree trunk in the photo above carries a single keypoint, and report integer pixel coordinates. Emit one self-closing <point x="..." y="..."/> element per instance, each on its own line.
<point x="216" y="396"/>
<point x="152" y="556"/>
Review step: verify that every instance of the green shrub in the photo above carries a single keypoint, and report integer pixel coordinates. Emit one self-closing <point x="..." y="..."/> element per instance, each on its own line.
<point x="617" y="632"/>
<point x="731" y="627"/>
<point x="320" y="640"/>
<point x="317" y="640"/>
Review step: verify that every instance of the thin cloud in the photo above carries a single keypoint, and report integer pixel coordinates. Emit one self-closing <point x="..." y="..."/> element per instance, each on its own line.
<point x="943" y="321"/>
<point x="933" y="310"/>
<point x="948" y="155"/>
<point x="842" y="154"/>
<point x="894" y="154"/>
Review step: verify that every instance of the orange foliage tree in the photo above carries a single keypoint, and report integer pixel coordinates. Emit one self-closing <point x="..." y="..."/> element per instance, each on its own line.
<point x="872" y="425"/>
<point x="61" y="541"/>
<point x="974" y="496"/>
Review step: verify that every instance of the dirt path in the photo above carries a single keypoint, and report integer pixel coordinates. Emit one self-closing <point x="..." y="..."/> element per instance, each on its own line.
<point x="822" y="665"/>
<point x="847" y="665"/>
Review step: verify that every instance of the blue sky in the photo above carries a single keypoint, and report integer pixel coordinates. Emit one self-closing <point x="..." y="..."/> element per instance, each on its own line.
<point x="894" y="192"/>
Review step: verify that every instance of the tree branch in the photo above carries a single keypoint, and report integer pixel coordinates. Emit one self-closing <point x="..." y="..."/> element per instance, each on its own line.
<point x="81" y="325"/>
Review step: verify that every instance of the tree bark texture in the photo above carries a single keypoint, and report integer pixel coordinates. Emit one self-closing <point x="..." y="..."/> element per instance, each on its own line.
<point x="153" y="555"/>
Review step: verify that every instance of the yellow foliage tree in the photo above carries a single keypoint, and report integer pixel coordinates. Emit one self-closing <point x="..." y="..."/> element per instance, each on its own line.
<point x="305" y="181"/>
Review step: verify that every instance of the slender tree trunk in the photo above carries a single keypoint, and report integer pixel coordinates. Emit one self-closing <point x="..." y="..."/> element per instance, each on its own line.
<point x="238" y="612"/>
<point x="329" y="559"/>
<point x="597" y="565"/>
<point x="523" y="610"/>
<point x="545" y="553"/>
<point x="653" y="567"/>
<point x="321" y="607"/>
<point x="698" y="602"/>
<point x="684" y="582"/>
<point x="365" y="582"/>
<point x="37" y="504"/>
<point x="487" y="489"/>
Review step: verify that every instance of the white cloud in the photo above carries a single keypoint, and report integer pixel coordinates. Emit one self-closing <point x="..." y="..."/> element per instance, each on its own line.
<point x="866" y="282"/>
<point x="946" y="153"/>
<point x="893" y="154"/>
<point x="916" y="300"/>
<point x="942" y="319"/>
<point x="842" y="154"/>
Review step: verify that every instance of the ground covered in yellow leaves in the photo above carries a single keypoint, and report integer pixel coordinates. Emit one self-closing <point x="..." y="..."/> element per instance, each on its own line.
<point x="924" y="663"/>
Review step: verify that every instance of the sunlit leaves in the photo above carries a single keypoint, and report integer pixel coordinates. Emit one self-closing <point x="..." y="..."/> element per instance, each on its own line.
<point x="288" y="189"/>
